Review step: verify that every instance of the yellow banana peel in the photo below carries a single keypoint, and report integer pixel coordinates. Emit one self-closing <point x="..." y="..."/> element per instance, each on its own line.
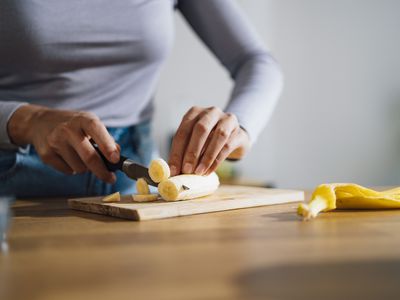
<point x="328" y="197"/>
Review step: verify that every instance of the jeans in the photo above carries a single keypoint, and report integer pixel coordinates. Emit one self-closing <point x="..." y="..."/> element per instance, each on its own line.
<point x="23" y="174"/>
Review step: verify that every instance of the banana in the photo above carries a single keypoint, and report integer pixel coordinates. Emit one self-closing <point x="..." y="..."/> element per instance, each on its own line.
<point x="145" y="198"/>
<point x="116" y="197"/>
<point x="159" y="170"/>
<point x="142" y="187"/>
<point x="172" y="189"/>
<point x="328" y="197"/>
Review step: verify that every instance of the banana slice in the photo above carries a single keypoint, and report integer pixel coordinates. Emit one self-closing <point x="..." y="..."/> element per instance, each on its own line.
<point x="116" y="197"/>
<point x="144" y="198"/>
<point x="159" y="170"/>
<point x="142" y="187"/>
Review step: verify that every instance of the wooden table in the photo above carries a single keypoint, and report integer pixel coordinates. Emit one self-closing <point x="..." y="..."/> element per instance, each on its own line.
<point x="258" y="253"/>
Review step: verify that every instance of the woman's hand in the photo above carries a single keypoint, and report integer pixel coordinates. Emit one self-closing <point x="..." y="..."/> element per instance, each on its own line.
<point x="204" y="139"/>
<point x="61" y="139"/>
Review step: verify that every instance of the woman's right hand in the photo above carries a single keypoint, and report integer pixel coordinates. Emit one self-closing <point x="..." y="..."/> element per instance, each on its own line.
<point x="61" y="139"/>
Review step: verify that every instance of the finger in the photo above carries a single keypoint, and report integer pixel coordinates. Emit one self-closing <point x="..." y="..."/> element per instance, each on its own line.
<point x="181" y="139"/>
<point x="232" y="143"/>
<point x="94" y="128"/>
<point x="207" y="143"/>
<point x="201" y="130"/>
<point x="71" y="157"/>
<point x="54" y="160"/>
<point x="90" y="157"/>
<point x="219" y="138"/>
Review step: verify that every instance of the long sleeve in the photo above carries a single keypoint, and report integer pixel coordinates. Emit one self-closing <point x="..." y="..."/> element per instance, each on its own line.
<point x="258" y="79"/>
<point x="7" y="108"/>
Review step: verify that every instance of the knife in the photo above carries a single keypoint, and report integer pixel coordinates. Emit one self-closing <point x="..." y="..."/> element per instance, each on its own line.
<point x="131" y="169"/>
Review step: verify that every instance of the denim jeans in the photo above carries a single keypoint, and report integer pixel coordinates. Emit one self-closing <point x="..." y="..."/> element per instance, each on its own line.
<point x="23" y="174"/>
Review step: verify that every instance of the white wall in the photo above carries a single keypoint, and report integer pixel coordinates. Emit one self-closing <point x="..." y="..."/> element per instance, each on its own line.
<point x="339" y="115"/>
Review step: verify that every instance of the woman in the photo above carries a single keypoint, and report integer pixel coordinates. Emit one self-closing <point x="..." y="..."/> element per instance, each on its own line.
<point x="75" y="70"/>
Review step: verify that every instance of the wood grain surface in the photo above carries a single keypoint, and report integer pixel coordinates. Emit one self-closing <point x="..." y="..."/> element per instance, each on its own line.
<point x="256" y="253"/>
<point x="227" y="197"/>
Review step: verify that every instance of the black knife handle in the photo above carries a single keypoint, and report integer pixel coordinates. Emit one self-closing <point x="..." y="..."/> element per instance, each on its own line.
<point x="109" y="165"/>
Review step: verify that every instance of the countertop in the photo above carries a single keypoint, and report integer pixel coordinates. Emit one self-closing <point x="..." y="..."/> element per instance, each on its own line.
<point x="256" y="253"/>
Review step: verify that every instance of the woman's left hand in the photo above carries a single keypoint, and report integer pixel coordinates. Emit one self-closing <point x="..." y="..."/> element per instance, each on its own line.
<point x="204" y="139"/>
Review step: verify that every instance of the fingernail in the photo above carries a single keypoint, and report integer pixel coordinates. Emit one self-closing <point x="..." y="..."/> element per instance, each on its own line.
<point x="173" y="170"/>
<point x="200" y="169"/>
<point x="114" y="157"/>
<point x="187" y="168"/>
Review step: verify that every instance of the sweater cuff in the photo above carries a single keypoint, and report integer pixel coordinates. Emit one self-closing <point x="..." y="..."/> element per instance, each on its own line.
<point x="247" y="121"/>
<point x="7" y="108"/>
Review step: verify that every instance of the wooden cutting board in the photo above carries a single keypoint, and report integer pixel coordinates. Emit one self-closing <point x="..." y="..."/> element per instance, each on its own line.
<point x="225" y="198"/>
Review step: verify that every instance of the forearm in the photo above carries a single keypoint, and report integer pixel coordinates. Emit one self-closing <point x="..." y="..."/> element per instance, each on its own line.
<point x="7" y="110"/>
<point x="230" y="36"/>
<point x="258" y="85"/>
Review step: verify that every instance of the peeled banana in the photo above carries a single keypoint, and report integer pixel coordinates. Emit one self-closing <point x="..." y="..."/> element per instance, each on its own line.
<point x="328" y="197"/>
<point x="173" y="189"/>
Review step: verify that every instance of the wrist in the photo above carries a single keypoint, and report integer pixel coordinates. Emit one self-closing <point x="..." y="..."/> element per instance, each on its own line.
<point x="21" y="124"/>
<point x="244" y="146"/>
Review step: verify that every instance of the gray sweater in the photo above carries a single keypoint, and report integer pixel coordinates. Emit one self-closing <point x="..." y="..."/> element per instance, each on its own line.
<point x="105" y="57"/>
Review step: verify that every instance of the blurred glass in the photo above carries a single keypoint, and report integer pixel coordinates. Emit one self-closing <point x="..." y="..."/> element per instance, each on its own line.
<point x="5" y="215"/>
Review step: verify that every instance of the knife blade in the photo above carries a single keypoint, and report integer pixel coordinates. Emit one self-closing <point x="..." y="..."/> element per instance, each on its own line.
<point x="131" y="169"/>
<point x="135" y="171"/>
